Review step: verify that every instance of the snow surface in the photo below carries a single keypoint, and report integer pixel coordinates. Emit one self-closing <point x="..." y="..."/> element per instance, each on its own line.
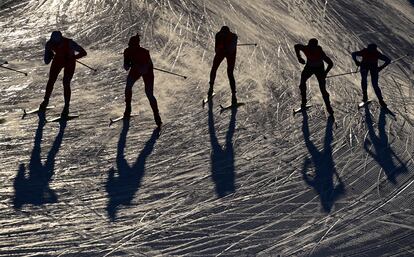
<point x="251" y="182"/>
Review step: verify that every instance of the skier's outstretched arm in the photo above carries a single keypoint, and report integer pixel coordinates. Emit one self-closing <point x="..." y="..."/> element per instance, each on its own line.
<point x="48" y="53"/>
<point x="329" y="62"/>
<point x="298" y="48"/>
<point x="354" y="57"/>
<point x="81" y="52"/>
<point x="127" y="60"/>
<point x="386" y="60"/>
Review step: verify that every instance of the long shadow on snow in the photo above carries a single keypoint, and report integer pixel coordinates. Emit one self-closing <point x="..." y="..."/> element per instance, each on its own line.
<point x="324" y="165"/>
<point x="121" y="189"/>
<point x="383" y="153"/>
<point x="222" y="160"/>
<point x="35" y="188"/>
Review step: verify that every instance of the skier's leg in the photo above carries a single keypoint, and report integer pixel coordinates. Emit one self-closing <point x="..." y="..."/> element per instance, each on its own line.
<point x="364" y="83"/>
<point x="55" y="69"/>
<point x="131" y="79"/>
<point x="374" y="81"/>
<point x="231" y="63"/>
<point x="218" y="58"/>
<point x="306" y="74"/>
<point x="149" y="91"/>
<point x="68" y="72"/>
<point x="320" y="75"/>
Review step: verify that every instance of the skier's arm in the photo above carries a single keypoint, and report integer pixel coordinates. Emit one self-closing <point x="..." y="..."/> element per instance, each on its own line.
<point x="354" y="57"/>
<point x="48" y="53"/>
<point x="127" y="61"/>
<point x="218" y="47"/>
<point x="386" y="60"/>
<point x="298" y="48"/>
<point x="329" y="62"/>
<point x="81" y="52"/>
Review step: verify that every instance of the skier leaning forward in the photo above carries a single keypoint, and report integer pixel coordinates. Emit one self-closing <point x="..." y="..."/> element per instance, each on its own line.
<point x="225" y="47"/>
<point x="138" y="61"/>
<point x="369" y="63"/>
<point x="315" y="58"/>
<point x="62" y="51"/>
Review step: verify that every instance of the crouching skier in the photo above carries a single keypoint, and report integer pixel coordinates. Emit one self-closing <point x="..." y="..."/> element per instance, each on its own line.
<point x="138" y="61"/>
<point x="62" y="51"/>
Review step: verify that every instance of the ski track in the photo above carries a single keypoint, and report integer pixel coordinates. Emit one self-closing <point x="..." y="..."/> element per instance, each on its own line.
<point x="300" y="188"/>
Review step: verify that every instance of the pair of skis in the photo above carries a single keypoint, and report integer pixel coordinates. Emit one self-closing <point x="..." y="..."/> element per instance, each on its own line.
<point x="222" y="108"/>
<point x="55" y="119"/>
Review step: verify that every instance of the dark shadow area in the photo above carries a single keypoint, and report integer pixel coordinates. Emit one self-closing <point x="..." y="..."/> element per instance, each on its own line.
<point x="34" y="188"/>
<point x="382" y="152"/>
<point x="324" y="165"/>
<point x="122" y="188"/>
<point x="222" y="160"/>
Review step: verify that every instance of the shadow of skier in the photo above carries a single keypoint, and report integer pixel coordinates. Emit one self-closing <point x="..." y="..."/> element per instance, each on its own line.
<point x="324" y="165"/>
<point x="222" y="160"/>
<point x="383" y="153"/>
<point x="122" y="188"/>
<point x="35" y="189"/>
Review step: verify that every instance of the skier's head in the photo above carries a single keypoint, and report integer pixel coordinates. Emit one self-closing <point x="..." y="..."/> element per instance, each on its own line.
<point x="225" y="29"/>
<point x="56" y="36"/>
<point x="134" y="41"/>
<point x="313" y="42"/>
<point x="372" y="47"/>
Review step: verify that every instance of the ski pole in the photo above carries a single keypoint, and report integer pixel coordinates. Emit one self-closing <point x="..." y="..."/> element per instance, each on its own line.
<point x="342" y="74"/>
<point x="95" y="70"/>
<point x="12" y="69"/>
<point x="248" y="44"/>
<point x="400" y="58"/>
<point x="172" y="73"/>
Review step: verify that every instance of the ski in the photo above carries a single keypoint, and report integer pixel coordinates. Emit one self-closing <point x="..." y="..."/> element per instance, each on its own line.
<point x="205" y="100"/>
<point x="63" y="118"/>
<point x="363" y="104"/>
<point x="112" y="121"/>
<point x="300" y="109"/>
<point x="34" y="111"/>
<point x="222" y="108"/>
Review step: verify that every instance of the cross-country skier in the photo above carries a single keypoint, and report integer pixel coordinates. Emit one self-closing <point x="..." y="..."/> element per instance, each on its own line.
<point x="225" y="47"/>
<point x="138" y="61"/>
<point x="369" y="63"/>
<point x="314" y="65"/>
<point x="64" y="52"/>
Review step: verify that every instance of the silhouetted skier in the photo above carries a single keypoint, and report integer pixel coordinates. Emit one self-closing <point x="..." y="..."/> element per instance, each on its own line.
<point x="138" y="61"/>
<point x="314" y="65"/>
<point x="225" y="47"/>
<point x="62" y="51"/>
<point x="369" y="63"/>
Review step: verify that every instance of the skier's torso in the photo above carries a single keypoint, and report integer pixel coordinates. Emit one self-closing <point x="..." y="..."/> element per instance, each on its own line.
<point x="63" y="51"/>
<point x="370" y="58"/>
<point x="226" y="43"/>
<point x="314" y="56"/>
<point x="139" y="59"/>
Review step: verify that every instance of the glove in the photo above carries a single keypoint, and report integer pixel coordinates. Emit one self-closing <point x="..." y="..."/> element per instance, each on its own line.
<point x="301" y="60"/>
<point x="358" y="63"/>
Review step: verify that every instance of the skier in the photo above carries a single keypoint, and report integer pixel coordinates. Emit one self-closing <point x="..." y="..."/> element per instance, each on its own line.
<point x="225" y="47"/>
<point x="62" y="51"/>
<point x="369" y="63"/>
<point x="138" y="61"/>
<point x="315" y="58"/>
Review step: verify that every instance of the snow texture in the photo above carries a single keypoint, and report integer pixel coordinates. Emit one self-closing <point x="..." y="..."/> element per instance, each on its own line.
<point x="251" y="182"/>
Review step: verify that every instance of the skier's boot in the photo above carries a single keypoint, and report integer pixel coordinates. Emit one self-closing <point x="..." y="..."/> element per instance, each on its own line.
<point x="233" y="100"/>
<point x="43" y="105"/>
<point x="210" y="91"/>
<point x="65" y="112"/>
<point x="127" y="112"/>
<point x="158" y="121"/>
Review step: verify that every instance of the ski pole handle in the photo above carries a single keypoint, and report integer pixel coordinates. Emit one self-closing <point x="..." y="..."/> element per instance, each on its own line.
<point x="248" y="44"/>
<point x="95" y="70"/>
<point x="172" y="73"/>
<point x="7" y="68"/>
